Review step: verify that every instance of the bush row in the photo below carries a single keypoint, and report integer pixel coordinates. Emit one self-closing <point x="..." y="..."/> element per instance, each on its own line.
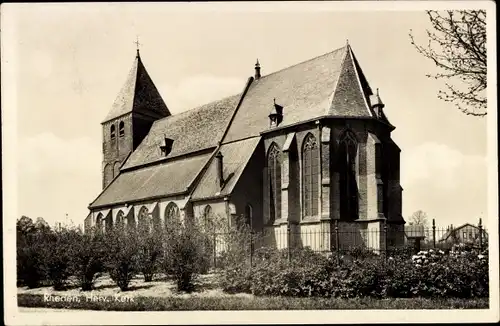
<point x="310" y="274"/>
<point x="53" y="256"/>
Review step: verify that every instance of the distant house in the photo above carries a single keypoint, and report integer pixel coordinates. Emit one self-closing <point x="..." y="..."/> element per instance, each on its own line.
<point x="466" y="233"/>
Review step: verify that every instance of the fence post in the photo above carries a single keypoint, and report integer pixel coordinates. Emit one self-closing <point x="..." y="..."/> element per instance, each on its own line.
<point x="288" y="230"/>
<point x="434" y="233"/>
<point x="480" y="234"/>
<point x="251" y="248"/>
<point x="215" y="250"/>
<point x="337" y="240"/>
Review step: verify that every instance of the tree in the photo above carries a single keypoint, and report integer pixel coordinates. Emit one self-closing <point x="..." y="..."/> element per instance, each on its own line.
<point x="457" y="45"/>
<point x="25" y="226"/>
<point x="419" y="218"/>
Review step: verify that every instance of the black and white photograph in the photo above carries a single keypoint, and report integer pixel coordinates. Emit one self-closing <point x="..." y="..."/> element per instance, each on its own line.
<point x="238" y="162"/>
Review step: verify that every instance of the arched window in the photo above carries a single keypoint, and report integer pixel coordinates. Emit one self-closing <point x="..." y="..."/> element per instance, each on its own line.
<point x="120" y="220"/>
<point x="274" y="178"/>
<point x="113" y="132"/>
<point x="121" y="129"/>
<point x="310" y="175"/>
<point x="208" y="219"/>
<point x="108" y="174"/>
<point x="348" y="149"/>
<point x="172" y="216"/>
<point x="144" y="220"/>
<point x="248" y="215"/>
<point x="116" y="169"/>
<point x="99" y="222"/>
<point x="131" y="221"/>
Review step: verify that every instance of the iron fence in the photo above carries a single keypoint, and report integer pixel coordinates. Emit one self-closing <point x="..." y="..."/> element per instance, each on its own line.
<point x="339" y="239"/>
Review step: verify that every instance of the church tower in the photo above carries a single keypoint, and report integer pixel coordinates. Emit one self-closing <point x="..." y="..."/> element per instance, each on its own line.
<point x="135" y="109"/>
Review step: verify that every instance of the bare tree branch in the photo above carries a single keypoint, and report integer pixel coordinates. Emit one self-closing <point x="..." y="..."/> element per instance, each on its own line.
<point x="457" y="46"/>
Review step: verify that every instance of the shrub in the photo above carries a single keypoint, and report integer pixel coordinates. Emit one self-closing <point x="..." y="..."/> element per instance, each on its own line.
<point x="58" y="251"/>
<point x="185" y="255"/>
<point x="122" y="256"/>
<point x="30" y="244"/>
<point x="88" y="259"/>
<point x="428" y="274"/>
<point x="149" y="253"/>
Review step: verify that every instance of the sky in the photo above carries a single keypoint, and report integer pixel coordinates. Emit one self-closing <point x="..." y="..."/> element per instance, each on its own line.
<point x="72" y="59"/>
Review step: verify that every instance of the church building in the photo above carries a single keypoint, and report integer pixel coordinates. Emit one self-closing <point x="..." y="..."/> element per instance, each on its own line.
<point x="307" y="148"/>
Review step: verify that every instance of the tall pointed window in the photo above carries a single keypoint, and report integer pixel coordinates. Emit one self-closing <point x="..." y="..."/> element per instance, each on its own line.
<point x="208" y="218"/>
<point x="348" y="149"/>
<point x="99" y="223"/>
<point x="274" y="179"/>
<point x="144" y="220"/>
<point x="113" y="132"/>
<point x="121" y="129"/>
<point x="248" y="215"/>
<point x="120" y="220"/>
<point x="172" y="216"/>
<point x="310" y="175"/>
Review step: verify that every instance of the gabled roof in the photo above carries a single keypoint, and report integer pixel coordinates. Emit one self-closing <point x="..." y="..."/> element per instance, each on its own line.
<point x="456" y="229"/>
<point x="236" y="156"/>
<point x="191" y="131"/>
<point x="138" y="94"/>
<point x="414" y="231"/>
<point x="332" y="84"/>
<point x="169" y="178"/>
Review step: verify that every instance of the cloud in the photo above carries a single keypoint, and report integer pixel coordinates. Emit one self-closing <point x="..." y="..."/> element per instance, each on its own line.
<point x="197" y="90"/>
<point x="440" y="165"/>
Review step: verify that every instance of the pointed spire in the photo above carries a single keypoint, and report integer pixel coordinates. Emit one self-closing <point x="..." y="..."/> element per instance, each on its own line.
<point x="139" y="93"/>
<point x="257" y="69"/>
<point x="376" y="103"/>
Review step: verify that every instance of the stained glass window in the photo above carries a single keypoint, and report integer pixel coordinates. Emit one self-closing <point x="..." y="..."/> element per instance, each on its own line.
<point x="274" y="178"/>
<point x="310" y="175"/>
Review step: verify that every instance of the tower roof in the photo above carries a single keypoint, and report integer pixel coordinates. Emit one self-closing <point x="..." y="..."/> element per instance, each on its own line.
<point x="138" y="94"/>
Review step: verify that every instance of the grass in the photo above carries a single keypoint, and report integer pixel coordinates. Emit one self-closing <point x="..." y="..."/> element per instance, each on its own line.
<point x="246" y="303"/>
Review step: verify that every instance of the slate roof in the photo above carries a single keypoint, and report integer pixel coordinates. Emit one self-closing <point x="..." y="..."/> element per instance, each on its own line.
<point x="138" y="94"/>
<point x="157" y="180"/>
<point x="192" y="130"/>
<point x="235" y="158"/>
<point x="331" y="84"/>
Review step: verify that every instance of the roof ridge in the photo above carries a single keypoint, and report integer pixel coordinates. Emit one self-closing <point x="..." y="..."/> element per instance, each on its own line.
<point x="302" y="62"/>
<point x="199" y="107"/>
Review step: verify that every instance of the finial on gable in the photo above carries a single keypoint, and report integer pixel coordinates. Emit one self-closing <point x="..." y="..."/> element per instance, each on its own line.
<point x="376" y="103"/>
<point x="347" y="41"/>
<point x="257" y="69"/>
